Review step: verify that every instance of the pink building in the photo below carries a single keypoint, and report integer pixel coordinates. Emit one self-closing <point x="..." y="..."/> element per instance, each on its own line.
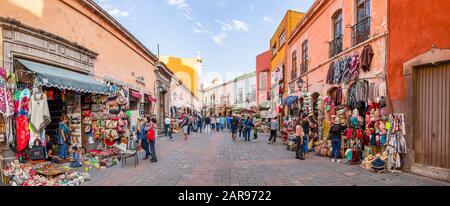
<point x="262" y="77"/>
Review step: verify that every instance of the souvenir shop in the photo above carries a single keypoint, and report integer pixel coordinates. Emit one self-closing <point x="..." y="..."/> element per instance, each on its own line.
<point x="373" y="138"/>
<point x="38" y="96"/>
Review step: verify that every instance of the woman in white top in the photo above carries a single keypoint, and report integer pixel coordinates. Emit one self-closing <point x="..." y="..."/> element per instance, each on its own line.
<point x="300" y="153"/>
<point x="213" y="122"/>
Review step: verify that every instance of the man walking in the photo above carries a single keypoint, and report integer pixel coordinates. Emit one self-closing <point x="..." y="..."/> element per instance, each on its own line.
<point x="273" y="130"/>
<point x="185" y="126"/>
<point x="208" y="125"/>
<point x="248" y="128"/>
<point x="229" y="123"/>
<point x="167" y="124"/>
<point x="199" y="125"/>
<point x="234" y="124"/>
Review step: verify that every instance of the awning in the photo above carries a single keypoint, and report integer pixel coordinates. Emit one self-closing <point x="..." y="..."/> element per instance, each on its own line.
<point x="289" y="100"/>
<point x="150" y="98"/>
<point x="136" y="94"/>
<point x="51" y="76"/>
<point x="264" y="106"/>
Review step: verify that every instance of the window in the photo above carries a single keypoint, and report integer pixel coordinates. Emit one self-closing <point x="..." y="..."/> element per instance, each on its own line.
<point x="282" y="38"/>
<point x="274" y="49"/>
<point x="240" y="95"/>
<point x="304" y="67"/>
<point x="294" y="65"/>
<point x="253" y="93"/>
<point x="336" y="43"/>
<point x="361" y="30"/>
<point x="263" y="80"/>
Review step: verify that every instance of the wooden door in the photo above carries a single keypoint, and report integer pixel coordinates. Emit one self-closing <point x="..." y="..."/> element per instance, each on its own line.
<point x="432" y="116"/>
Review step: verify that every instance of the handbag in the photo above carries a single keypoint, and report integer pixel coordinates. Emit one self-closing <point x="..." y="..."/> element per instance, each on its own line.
<point x="87" y="128"/>
<point x="38" y="151"/>
<point x="111" y="124"/>
<point x="151" y="135"/>
<point x="123" y="116"/>
<point x="111" y="103"/>
<point x="86" y="113"/>
<point x="121" y="100"/>
<point x="359" y="134"/>
<point x="87" y="121"/>
<point x="349" y="133"/>
<point x="122" y="129"/>
<point x="114" y="117"/>
<point x="95" y="108"/>
<point x="114" y="109"/>
<point x="123" y="122"/>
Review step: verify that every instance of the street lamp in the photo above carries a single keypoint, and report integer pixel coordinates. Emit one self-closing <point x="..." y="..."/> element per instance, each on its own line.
<point x="300" y="83"/>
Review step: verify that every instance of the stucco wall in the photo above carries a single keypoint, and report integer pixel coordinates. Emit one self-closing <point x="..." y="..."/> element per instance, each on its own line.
<point x="69" y="19"/>
<point x="414" y="26"/>
<point x="318" y="31"/>
<point x="262" y="64"/>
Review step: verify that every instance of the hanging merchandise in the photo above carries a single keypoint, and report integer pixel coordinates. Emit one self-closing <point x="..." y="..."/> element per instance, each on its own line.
<point x="339" y="95"/>
<point x="337" y="72"/>
<point x="366" y="58"/>
<point x="39" y="112"/>
<point x="23" y="134"/>
<point x="396" y="142"/>
<point x="346" y="69"/>
<point x="362" y="89"/>
<point x="330" y="74"/>
<point x="354" y="67"/>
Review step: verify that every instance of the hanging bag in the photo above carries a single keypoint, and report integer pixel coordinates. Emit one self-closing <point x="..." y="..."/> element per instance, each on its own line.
<point x="38" y="151"/>
<point x="151" y="135"/>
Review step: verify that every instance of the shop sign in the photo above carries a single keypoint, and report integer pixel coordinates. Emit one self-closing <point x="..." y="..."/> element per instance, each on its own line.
<point x="142" y="109"/>
<point x="140" y="80"/>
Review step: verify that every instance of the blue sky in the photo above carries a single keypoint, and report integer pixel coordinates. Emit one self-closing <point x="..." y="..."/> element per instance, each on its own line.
<point x="227" y="33"/>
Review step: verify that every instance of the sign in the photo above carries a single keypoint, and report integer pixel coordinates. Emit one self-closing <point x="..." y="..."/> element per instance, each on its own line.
<point x="142" y="109"/>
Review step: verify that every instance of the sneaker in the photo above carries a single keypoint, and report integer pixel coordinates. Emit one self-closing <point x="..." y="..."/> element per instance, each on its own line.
<point x="302" y="158"/>
<point x="297" y="157"/>
<point x="339" y="160"/>
<point x="332" y="160"/>
<point x="145" y="158"/>
<point x="255" y="140"/>
<point x="268" y="142"/>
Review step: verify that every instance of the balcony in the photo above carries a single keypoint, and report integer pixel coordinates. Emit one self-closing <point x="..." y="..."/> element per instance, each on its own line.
<point x="304" y="67"/>
<point x="336" y="46"/>
<point x="361" y="31"/>
<point x="293" y="73"/>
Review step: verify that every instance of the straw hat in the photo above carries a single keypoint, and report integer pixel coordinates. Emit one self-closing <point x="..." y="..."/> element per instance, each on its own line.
<point x="337" y="120"/>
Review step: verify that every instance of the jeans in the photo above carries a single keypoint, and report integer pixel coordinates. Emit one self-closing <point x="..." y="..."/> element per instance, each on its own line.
<point x="217" y="126"/>
<point x="189" y="128"/>
<point x="306" y="142"/>
<point x="208" y="129"/>
<point x="247" y="132"/>
<point x="273" y="134"/>
<point x="167" y="129"/>
<point x="170" y="135"/>
<point x="336" y="146"/>
<point x="152" y="150"/>
<point x="144" y="145"/>
<point x="300" y="153"/>
<point x="64" y="153"/>
<point x="200" y="128"/>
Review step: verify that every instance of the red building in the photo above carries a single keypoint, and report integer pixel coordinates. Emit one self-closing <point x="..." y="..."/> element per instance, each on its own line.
<point x="418" y="81"/>
<point x="262" y="77"/>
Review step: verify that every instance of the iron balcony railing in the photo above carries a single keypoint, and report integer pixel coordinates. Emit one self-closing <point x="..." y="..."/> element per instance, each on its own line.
<point x="361" y="31"/>
<point x="336" y="46"/>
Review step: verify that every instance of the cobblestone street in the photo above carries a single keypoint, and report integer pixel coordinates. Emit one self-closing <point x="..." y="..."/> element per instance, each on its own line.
<point x="217" y="161"/>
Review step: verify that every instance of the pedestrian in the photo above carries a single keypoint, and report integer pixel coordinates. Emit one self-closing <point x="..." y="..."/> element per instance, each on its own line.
<point x="273" y="130"/>
<point x="171" y="126"/>
<point x="218" y="124"/>
<point x="229" y="123"/>
<point x="143" y="137"/>
<point x="191" y="122"/>
<point x="248" y="128"/>
<point x="256" y="130"/>
<point x="167" y="124"/>
<point x="208" y="125"/>
<point x="306" y="130"/>
<point x="64" y="137"/>
<point x="234" y="124"/>
<point x="185" y="126"/>
<point x="336" y="132"/>
<point x="199" y="125"/>
<point x="299" y="134"/>
<point x="151" y="136"/>
<point x="241" y="127"/>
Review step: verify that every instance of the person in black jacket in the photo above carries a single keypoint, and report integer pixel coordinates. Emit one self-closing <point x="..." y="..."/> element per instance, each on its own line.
<point x="336" y="132"/>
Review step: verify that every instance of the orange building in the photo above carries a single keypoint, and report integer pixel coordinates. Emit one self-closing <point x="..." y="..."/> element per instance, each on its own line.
<point x="418" y="81"/>
<point x="79" y="39"/>
<point x="278" y="52"/>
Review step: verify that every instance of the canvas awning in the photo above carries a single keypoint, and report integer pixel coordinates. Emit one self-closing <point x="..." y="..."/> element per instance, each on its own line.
<point x="52" y="76"/>
<point x="289" y="100"/>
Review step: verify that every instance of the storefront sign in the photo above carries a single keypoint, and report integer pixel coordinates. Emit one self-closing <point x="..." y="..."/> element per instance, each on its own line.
<point x="142" y="109"/>
<point x="140" y="80"/>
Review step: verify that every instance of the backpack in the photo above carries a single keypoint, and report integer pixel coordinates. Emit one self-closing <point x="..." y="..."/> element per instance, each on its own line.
<point x="151" y="136"/>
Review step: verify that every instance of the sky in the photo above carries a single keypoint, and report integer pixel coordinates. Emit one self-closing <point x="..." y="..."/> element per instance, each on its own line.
<point x="229" y="34"/>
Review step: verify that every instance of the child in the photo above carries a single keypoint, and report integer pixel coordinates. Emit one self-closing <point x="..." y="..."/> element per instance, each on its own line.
<point x="76" y="158"/>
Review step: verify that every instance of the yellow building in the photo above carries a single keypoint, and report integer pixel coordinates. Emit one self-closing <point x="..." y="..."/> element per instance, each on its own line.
<point x="278" y="49"/>
<point x="187" y="70"/>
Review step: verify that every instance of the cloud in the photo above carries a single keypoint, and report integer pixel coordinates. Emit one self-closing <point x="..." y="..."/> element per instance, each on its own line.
<point x="119" y="13"/>
<point x="219" y="39"/>
<point x="268" y="19"/>
<point x="234" y="25"/>
<point x="182" y="6"/>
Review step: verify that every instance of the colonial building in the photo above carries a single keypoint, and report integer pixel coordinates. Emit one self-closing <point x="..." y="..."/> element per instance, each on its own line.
<point x="75" y="39"/>
<point x="263" y="81"/>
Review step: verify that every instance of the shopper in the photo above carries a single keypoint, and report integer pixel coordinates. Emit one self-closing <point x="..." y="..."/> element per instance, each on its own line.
<point x="256" y="130"/>
<point x="234" y="124"/>
<point x="64" y="137"/>
<point x="229" y="123"/>
<point x="152" y="140"/>
<point x="299" y="134"/>
<point x="143" y="137"/>
<point x="199" y="125"/>
<point x="218" y="124"/>
<point x="248" y="128"/>
<point x="213" y="122"/>
<point x="191" y="124"/>
<point x="208" y="125"/>
<point x="170" y="132"/>
<point x="273" y="130"/>
<point x="167" y="124"/>
<point x="185" y="125"/>
<point x="241" y="127"/>
<point x="336" y="132"/>
<point x="306" y="130"/>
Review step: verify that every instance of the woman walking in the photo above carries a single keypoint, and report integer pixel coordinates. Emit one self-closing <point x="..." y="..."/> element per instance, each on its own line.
<point x="143" y="137"/>
<point x="151" y="136"/>
<point x="64" y="137"/>
<point x="300" y="135"/>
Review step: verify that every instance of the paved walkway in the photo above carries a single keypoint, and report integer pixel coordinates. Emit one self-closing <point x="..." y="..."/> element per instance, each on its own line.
<point x="217" y="161"/>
